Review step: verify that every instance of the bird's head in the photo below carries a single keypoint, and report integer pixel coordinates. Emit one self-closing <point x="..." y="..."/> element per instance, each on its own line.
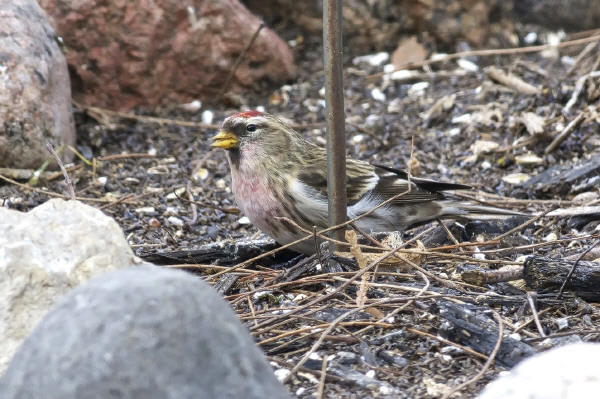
<point x="254" y="128"/>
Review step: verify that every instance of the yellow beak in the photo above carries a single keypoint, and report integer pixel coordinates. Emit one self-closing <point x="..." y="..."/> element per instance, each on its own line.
<point x="225" y="140"/>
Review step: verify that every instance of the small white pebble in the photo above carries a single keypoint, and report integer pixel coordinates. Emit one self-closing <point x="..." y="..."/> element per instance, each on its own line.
<point x="529" y="159"/>
<point x="562" y="323"/>
<point x="555" y="38"/>
<point x="389" y="68"/>
<point x="175" y="221"/>
<point x="378" y="95"/>
<point x="372" y="119"/>
<point x="516" y="178"/>
<point x="201" y="174"/>
<point x="171" y="211"/>
<point x="438" y="56"/>
<point x="515" y="336"/>
<point x="479" y="255"/>
<point x="299" y="297"/>
<point x="192" y="106"/>
<point x="315" y="356"/>
<point x="152" y="151"/>
<point x="566" y="60"/>
<point x="357" y="139"/>
<point x="220" y="184"/>
<point x="280" y="374"/>
<point x="207" y="117"/>
<point x="261" y="294"/>
<point x="175" y="194"/>
<point x="244" y="220"/>
<point x="322" y="91"/>
<point x="386" y="390"/>
<point x="467" y="65"/>
<point x="145" y="209"/>
<point x="372" y="59"/>
<point x="318" y="267"/>
<point x="418" y="89"/>
<point x="455" y="131"/>
<point x="300" y="391"/>
<point x="402" y="74"/>
<point x="486" y="165"/>
<point x="551" y="237"/>
<point x="394" y="106"/>
<point x="260" y="108"/>
<point x="103" y="180"/>
<point x="370" y="374"/>
<point x="530" y="38"/>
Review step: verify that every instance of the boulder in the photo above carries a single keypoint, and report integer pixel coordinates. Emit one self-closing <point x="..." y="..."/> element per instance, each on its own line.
<point x="35" y="93"/>
<point x="571" y="15"/>
<point x="46" y="252"/>
<point x="568" y="372"/>
<point x="142" y="332"/>
<point x="124" y="54"/>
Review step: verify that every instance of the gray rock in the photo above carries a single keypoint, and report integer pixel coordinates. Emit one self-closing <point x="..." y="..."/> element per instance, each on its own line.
<point x="142" y="332"/>
<point x="35" y="93"/>
<point x="46" y="252"/>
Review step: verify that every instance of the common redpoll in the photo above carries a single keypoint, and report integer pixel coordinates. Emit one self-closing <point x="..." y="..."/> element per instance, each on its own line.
<point x="277" y="174"/>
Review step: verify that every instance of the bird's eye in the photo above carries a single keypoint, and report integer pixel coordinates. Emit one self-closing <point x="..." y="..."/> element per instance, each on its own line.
<point x="251" y="128"/>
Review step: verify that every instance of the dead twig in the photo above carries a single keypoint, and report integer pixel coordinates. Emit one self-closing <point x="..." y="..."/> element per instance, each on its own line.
<point x="106" y="115"/>
<point x="512" y="81"/>
<point x="61" y="165"/>
<point x="321" y="387"/>
<point x="586" y="50"/>
<point x="579" y="85"/>
<point x="329" y="329"/>
<point x="487" y="364"/>
<point x="531" y="301"/>
<point x="566" y="132"/>
<point x="564" y="284"/>
<point x="50" y="193"/>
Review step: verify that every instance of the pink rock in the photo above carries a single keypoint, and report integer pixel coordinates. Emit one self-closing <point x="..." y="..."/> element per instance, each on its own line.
<point x="124" y="53"/>
<point x="35" y="94"/>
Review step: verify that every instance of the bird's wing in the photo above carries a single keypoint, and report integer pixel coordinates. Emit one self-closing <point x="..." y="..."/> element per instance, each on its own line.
<point x="426" y="184"/>
<point x="373" y="182"/>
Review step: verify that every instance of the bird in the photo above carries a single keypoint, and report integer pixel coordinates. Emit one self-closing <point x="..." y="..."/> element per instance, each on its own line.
<point x="278" y="176"/>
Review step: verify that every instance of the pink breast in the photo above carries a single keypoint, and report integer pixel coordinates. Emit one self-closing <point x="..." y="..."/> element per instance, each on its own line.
<point x="254" y="197"/>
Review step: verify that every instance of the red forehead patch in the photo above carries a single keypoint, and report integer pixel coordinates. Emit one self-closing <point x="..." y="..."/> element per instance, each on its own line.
<point x="249" y="114"/>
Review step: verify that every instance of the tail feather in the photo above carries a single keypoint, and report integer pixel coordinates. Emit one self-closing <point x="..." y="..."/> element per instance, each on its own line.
<point x="471" y="211"/>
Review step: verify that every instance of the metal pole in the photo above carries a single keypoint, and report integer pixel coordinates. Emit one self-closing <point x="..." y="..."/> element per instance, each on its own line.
<point x="334" y="97"/>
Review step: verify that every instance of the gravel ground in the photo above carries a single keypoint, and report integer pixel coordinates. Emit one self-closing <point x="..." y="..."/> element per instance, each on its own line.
<point x="169" y="191"/>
